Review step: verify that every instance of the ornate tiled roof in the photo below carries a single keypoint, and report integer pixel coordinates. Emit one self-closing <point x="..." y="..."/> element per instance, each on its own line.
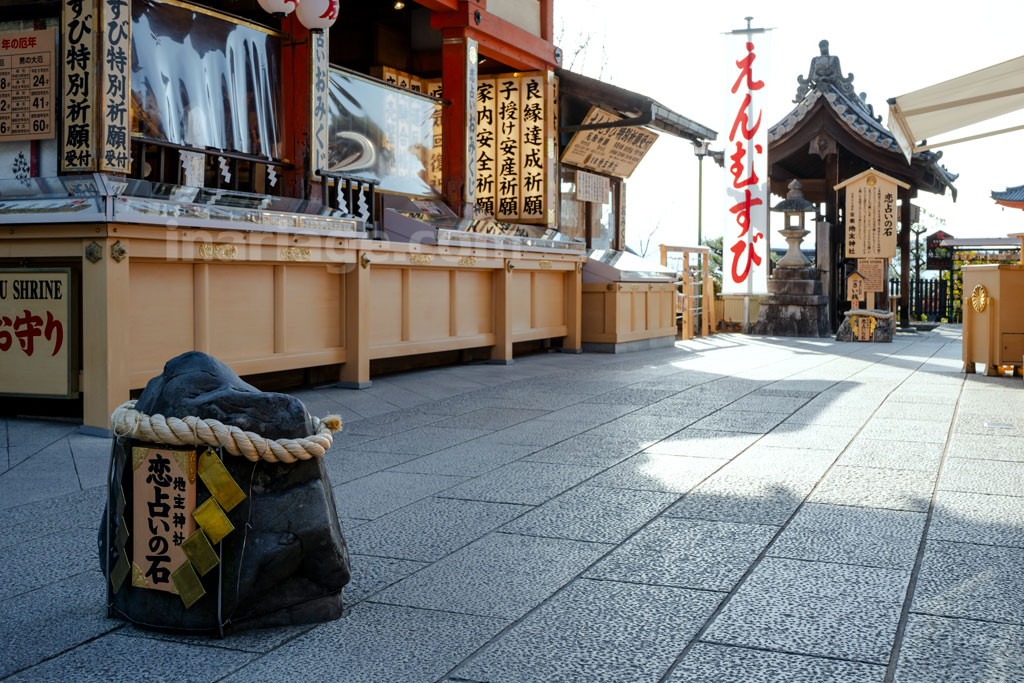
<point x="825" y="80"/>
<point x="1010" y="194"/>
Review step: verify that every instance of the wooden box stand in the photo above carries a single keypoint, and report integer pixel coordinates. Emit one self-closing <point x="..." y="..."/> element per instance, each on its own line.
<point x="993" y="318"/>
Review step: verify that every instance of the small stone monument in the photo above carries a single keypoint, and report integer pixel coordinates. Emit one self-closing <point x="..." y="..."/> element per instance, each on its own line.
<point x="202" y="537"/>
<point x="796" y="307"/>
<point x="867" y="325"/>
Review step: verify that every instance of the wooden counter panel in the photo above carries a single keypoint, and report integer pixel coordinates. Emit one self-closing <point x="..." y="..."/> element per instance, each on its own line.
<point x="522" y="295"/>
<point x="385" y="306"/>
<point x="241" y="311"/>
<point x="428" y="304"/>
<point x="160" y="313"/>
<point x="474" y="302"/>
<point x="312" y="309"/>
<point x="617" y="313"/>
<point x="549" y="298"/>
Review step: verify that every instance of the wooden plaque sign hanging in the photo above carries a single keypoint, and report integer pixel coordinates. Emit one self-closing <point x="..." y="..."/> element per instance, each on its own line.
<point x="27" y="70"/>
<point x="871" y="226"/>
<point x="164" y="485"/>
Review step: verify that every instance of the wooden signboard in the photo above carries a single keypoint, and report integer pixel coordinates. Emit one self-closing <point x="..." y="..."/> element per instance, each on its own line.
<point x="871" y="226"/>
<point x="27" y="71"/>
<point x="115" y="77"/>
<point x="613" y="151"/>
<point x="34" y="332"/>
<point x="164" y="494"/>
<point x="79" y="62"/>
<point x="855" y="287"/>
<point x="592" y="188"/>
<point x="319" y="115"/>
<point x="873" y="270"/>
<point x="863" y="327"/>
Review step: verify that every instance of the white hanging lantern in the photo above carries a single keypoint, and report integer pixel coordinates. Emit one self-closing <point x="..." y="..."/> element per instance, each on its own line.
<point x="279" y="8"/>
<point x="314" y="14"/>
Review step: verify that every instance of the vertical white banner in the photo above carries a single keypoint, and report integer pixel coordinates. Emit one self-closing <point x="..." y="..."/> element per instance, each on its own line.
<point x="745" y="243"/>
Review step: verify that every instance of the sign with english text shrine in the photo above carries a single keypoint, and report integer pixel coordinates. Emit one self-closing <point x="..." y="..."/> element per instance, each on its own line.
<point x="34" y="332"/>
<point x="745" y="236"/>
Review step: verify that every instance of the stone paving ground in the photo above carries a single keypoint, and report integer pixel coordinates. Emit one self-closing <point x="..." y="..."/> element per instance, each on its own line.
<point x="735" y="509"/>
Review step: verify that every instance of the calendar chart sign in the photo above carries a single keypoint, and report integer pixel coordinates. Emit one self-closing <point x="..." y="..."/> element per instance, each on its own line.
<point x="27" y="68"/>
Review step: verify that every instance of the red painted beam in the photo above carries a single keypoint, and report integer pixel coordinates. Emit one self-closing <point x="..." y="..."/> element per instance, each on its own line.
<point x="499" y="38"/>
<point x="454" y="118"/>
<point x="440" y="5"/>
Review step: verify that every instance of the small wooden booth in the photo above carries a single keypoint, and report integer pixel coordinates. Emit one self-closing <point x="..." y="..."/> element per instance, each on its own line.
<point x="629" y="303"/>
<point x="695" y="301"/>
<point x="993" y="317"/>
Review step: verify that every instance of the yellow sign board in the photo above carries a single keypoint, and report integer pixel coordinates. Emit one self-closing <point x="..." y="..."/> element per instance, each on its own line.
<point x="164" y="485"/>
<point x="612" y="151"/>
<point x="27" y="70"/>
<point x="35" y="332"/>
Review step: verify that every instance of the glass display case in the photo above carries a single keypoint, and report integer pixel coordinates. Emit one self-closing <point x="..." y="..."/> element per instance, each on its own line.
<point x="610" y="265"/>
<point x="429" y="221"/>
<point x="104" y="198"/>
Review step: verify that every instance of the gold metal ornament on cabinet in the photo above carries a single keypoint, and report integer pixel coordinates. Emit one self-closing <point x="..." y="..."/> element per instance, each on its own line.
<point x="979" y="298"/>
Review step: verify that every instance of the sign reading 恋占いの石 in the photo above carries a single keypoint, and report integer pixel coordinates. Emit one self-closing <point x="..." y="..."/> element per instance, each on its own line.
<point x="34" y="332"/>
<point x="164" y="493"/>
<point x="27" y="72"/>
<point x="871" y="222"/>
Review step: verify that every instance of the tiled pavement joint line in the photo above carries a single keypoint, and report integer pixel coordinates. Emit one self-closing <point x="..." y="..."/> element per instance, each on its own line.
<point x="118" y="627"/>
<point x="958" y="617"/>
<point x="33" y="454"/>
<point x="790" y="652"/>
<point x="901" y="627"/>
<point x="698" y="637"/>
<point x="497" y="636"/>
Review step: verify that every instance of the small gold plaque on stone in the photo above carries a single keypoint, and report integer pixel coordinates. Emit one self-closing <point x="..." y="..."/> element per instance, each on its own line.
<point x="187" y="583"/>
<point x="200" y="553"/>
<point x="219" y="481"/>
<point x="119" y="572"/>
<point x="122" y="534"/>
<point x="213" y="521"/>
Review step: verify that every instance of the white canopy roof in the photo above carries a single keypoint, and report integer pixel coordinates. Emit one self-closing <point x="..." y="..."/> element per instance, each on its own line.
<point x="956" y="103"/>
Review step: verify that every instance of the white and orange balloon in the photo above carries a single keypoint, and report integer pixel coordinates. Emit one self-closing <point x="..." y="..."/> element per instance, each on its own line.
<point x="314" y="14"/>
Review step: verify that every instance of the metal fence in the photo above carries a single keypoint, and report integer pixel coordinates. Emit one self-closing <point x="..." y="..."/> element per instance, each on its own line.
<point x="928" y="297"/>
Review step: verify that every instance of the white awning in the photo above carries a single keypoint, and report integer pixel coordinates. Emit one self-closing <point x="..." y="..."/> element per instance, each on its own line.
<point x="956" y="103"/>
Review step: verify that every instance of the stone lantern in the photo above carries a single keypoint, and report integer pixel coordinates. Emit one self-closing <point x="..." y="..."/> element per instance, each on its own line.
<point x="794" y="206"/>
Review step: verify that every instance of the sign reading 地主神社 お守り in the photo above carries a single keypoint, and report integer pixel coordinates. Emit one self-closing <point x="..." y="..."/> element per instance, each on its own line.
<point x="745" y="243"/>
<point x="34" y="332"/>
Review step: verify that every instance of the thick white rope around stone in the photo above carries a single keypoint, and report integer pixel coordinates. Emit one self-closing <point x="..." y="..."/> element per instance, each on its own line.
<point x="195" y="431"/>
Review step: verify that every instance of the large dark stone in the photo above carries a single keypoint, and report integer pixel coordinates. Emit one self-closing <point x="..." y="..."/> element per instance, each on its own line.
<point x="197" y="384"/>
<point x="286" y="562"/>
<point x="885" y="325"/>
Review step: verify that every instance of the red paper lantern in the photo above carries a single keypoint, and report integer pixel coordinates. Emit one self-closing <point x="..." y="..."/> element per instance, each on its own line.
<point x="314" y="14"/>
<point x="279" y="8"/>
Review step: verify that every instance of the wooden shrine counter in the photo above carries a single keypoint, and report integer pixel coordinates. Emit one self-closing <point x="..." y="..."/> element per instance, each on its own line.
<point x="265" y="302"/>
<point x="993" y="317"/>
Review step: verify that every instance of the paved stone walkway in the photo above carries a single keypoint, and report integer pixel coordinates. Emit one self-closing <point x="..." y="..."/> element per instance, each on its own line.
<point x="736" y="509"/>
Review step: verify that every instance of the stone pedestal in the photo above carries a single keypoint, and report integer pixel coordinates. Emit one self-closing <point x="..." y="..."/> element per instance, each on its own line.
<point x="796" y="307"/>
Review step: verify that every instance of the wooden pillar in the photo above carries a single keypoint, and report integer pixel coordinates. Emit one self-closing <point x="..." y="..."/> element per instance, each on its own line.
<point x="904" y="196"/>
<point x="355" y="373"/>
<point x="833" y="288"/>
<point x="501" y="352"/>
<point x="104" y="336"/>
<point x="573" y="342"/>
<point x="458" y="120"/>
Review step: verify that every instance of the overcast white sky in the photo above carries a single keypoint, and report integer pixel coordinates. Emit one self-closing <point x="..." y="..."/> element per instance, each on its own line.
<point x="673" y="51"/>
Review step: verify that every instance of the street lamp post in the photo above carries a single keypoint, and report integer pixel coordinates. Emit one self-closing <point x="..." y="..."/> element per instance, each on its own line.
<point x="700" y="149"/>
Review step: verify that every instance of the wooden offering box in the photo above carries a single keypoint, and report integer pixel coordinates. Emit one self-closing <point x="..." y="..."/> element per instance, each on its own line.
<point x="993" y="318"/>
<point x="628" y="302"/>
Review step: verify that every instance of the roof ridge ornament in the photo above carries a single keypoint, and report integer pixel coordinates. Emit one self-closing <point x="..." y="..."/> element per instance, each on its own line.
<point x="824" y="69"/>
